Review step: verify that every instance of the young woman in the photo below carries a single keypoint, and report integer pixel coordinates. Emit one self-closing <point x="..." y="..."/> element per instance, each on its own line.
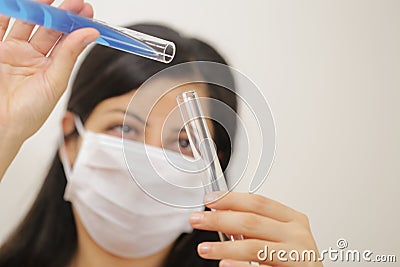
<point x="70" y="227"/>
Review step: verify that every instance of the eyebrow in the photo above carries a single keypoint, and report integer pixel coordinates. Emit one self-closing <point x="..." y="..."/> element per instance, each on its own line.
<point x="131" y="114"/>
<point x="178" y="130"/>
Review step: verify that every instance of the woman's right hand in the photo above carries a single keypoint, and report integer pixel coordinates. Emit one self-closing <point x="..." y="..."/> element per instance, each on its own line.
<point x="34" y="73"/>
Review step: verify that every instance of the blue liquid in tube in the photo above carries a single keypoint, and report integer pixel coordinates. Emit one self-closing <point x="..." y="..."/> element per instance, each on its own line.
<point x="66" y="22"/>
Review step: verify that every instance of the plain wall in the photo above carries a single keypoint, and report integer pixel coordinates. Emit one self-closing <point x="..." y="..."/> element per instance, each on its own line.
<point x="330" y="71"/>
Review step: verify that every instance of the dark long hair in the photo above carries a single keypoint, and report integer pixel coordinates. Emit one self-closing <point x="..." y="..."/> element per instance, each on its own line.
<point x="47" y="236"/>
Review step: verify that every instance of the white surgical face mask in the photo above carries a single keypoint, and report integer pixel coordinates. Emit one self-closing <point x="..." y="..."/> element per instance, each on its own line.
<point x="117" y="214"/>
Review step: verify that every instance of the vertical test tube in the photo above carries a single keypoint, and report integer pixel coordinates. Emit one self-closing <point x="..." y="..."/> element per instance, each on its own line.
<point x="203" y="147"/>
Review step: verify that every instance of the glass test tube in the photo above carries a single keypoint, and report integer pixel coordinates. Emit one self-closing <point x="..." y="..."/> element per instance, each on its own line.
<point x="203" y="147"/>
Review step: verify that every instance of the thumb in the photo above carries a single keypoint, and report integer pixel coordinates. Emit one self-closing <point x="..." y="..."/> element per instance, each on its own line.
<point x="64" y="56"/>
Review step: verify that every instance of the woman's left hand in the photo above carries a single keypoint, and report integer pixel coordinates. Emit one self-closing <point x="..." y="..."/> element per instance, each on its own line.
<point x="266" y="225"/>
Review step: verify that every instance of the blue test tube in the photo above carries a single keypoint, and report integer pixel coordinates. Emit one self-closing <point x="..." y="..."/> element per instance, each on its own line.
<point x="66" y="22"/>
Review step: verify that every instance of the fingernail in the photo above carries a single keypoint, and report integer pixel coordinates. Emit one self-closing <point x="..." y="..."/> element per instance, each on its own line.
<point x="225" y="263"/>
<point x="90" y="39"/>
<point x="210" y="197"/>
<point x="204" y="248"/>
<point x="87" y="42"/>
<point x="196" y="217"/>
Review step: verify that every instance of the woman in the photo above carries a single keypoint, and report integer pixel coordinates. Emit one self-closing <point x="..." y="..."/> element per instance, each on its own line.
<point x="55" y="232"/>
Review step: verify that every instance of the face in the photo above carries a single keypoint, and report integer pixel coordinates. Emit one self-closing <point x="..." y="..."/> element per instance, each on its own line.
<point x="159" y="126"/>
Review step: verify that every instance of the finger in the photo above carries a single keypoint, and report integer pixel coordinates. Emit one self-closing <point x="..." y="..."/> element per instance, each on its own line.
<point x="22" y="30"/>
<point x="250" y="250"/>
<point x="240" y="223"/>
<point x="44" y="39"/>
<point x="87" y="11"/>
<point x="250" y="203"/>
<point x="4" y="21"/>
<point x="64" y="56"/>
<point x="233" y="263"/>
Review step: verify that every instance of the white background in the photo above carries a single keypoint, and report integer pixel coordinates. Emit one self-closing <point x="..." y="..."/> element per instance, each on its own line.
<point x="331" y="73"/>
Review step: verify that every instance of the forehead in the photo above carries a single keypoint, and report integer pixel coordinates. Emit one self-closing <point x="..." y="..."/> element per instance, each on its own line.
<point x="161" y="92"/>
<point x="155" y="98"/>
<point x="156" y="105"/>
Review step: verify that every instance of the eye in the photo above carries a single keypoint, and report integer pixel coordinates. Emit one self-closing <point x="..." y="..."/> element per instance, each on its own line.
<point x="184" y="146"/>
<point x="184" y="143"/>
<point x="124" y="130"/>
